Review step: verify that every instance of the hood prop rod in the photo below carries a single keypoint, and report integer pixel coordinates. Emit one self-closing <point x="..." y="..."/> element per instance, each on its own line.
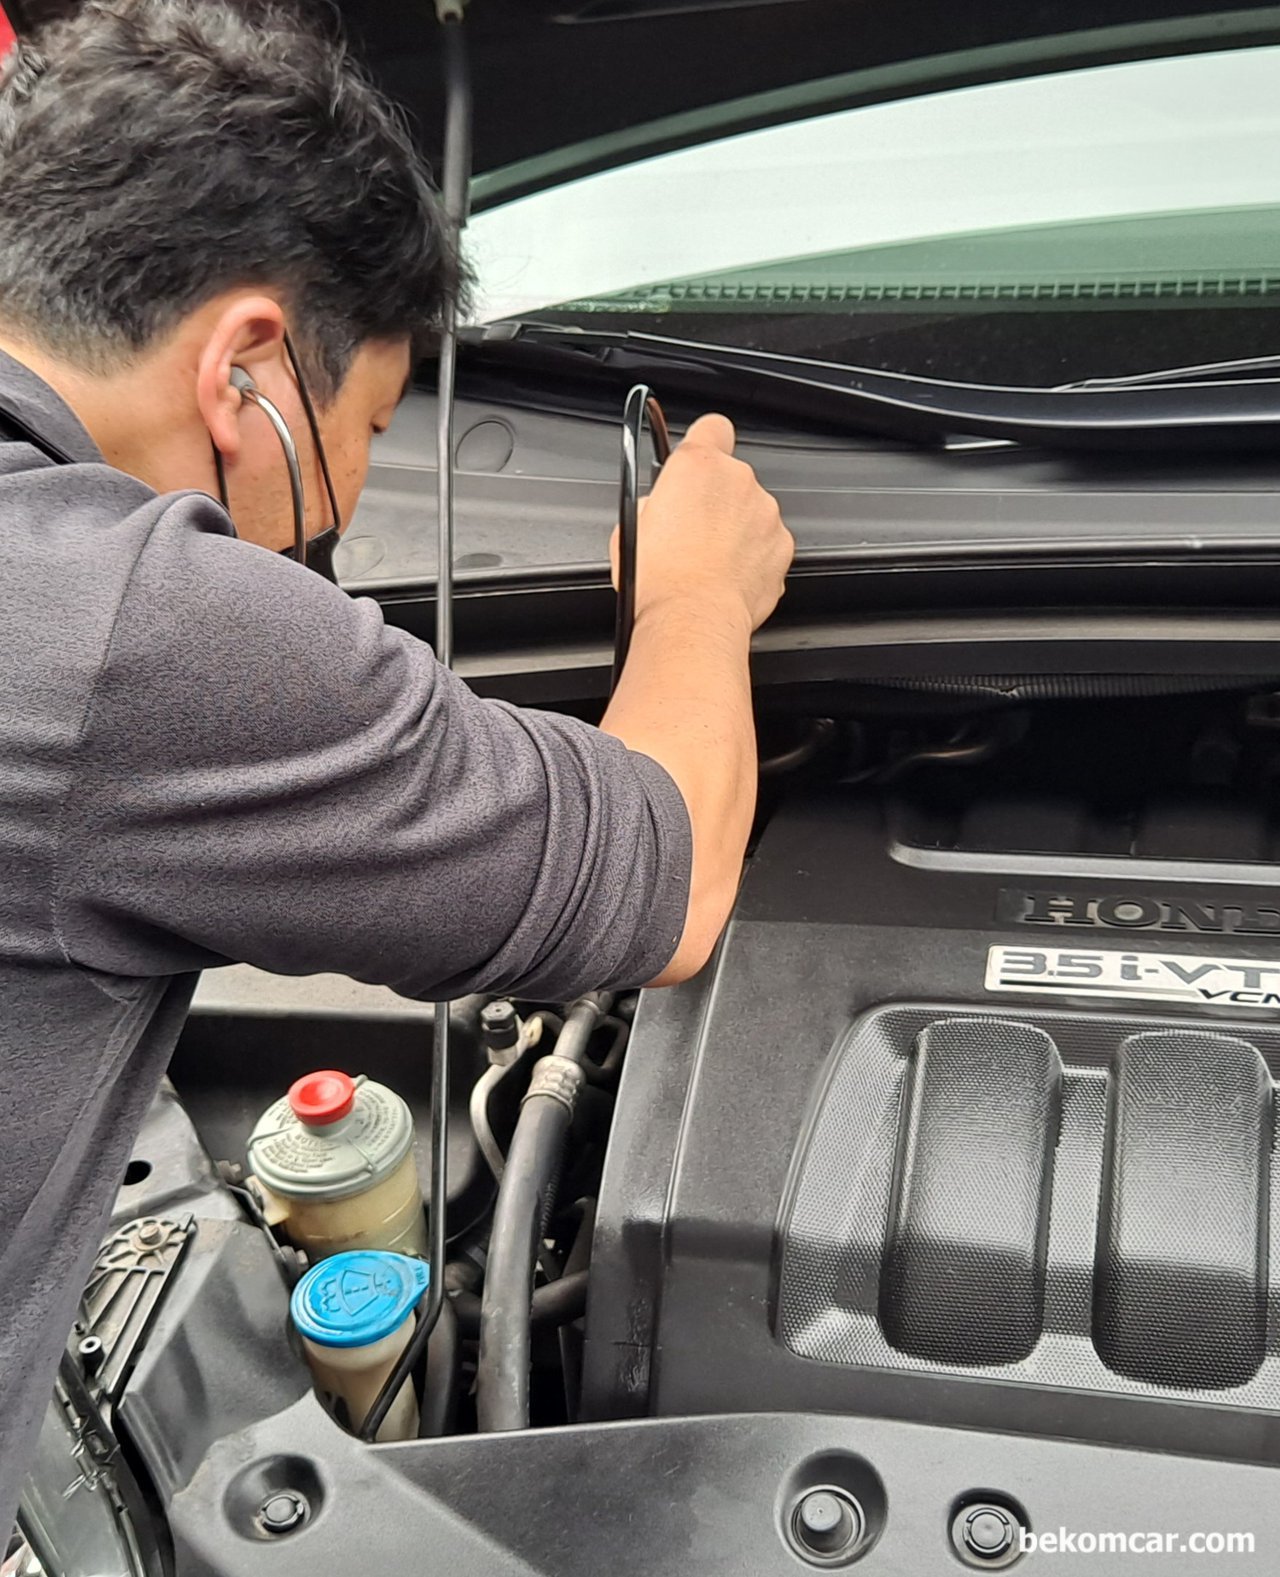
<point x="456" y="173"/>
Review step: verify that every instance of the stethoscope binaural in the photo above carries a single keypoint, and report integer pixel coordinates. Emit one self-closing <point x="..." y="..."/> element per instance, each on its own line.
<point x="317" y="552"/>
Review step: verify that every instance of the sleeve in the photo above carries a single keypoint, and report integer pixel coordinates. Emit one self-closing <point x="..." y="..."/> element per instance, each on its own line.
<point x="269" y="774"/>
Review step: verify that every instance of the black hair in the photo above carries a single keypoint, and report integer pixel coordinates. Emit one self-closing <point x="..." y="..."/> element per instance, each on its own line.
<point x="154" y="153"/>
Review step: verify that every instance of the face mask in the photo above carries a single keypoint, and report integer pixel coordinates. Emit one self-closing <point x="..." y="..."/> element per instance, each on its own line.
<point x="319" y="552"/>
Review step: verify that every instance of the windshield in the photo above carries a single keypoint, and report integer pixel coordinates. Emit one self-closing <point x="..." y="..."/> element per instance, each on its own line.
<point x="1089" y="223"/>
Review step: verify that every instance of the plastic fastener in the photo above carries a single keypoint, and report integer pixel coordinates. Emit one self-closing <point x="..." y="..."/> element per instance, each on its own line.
<point x="985" y="1535"/>
<point x="283" y="1512"/>
<point x="988" y="1532"/>
<point x="826" y="1526"/>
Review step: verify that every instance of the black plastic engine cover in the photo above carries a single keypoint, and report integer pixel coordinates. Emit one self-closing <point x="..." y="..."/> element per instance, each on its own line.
<point x="1182" y="1271"/>
<point x="962" y="1275"/>
<point x="1136" y="1263"/>
<point x="845" y="1176"/>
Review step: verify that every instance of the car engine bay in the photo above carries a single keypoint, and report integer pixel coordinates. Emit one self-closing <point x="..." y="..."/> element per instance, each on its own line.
<point x="936" y="1207"/>
<point x="936" y="1211"/>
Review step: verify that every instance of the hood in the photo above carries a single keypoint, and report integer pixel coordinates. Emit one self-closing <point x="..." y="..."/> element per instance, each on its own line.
<point x="567" y="87"/>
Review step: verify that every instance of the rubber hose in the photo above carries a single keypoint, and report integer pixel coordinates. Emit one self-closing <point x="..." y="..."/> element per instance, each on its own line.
<point x="525" y="1196"/>
<point x="580" y="1024"/>
<point x="557" y="1303"/>
<point x="438" y="1413"/>
<point x="528" y="1185"/>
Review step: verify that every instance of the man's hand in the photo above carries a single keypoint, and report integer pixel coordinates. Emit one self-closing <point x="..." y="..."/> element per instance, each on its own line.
<point x="710" y="563"/>
<point x="710" y="532"/>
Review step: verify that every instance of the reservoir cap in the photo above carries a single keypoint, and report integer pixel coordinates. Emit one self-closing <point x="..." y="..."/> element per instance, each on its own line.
<point x="355" y="1299"/>
<point x="331" y="1137"/>
<point x="322" y="1098"/>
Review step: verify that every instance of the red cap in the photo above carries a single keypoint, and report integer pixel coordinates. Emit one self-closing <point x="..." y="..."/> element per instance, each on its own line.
<point x="320" y="1098"/>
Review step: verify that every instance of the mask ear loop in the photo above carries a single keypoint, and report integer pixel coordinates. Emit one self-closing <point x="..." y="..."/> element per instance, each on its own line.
<point x="249" y="390"/>
<point x="224" y="498"/>
<point x="308" y="406"/>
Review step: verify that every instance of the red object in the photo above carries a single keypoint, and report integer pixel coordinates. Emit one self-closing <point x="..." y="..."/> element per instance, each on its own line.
<point x="7" y="39"/>
<point x="321" y="1098"/>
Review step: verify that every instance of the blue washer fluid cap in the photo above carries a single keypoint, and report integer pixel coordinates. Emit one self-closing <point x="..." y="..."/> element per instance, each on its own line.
<point x="355" y="1299"/>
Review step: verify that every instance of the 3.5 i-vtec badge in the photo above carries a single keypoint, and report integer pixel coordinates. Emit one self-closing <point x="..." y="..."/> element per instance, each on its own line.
<point x="1159" y="977"/>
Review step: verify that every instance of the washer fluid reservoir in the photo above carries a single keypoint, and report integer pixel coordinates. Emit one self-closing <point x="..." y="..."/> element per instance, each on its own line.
<point x="354" y="1313"/>
<point x="335" y="1165"/>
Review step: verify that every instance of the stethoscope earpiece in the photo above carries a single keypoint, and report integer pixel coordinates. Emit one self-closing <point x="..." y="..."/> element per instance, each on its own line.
<point x="318" y="554"/>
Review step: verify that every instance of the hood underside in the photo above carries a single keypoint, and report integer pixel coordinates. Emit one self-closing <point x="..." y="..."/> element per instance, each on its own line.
<point x="566" y="87"/>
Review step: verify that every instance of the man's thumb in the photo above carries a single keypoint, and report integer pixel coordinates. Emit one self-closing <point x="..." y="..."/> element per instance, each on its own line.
<point x="715" y="431"/>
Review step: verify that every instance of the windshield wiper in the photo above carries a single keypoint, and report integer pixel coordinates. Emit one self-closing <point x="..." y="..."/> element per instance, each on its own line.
<point x="1215" y="406"/>
<point x="1201" y="372"/>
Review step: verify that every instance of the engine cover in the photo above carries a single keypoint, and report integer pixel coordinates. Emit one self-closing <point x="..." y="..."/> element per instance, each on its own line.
<point x="937" y="1139"/>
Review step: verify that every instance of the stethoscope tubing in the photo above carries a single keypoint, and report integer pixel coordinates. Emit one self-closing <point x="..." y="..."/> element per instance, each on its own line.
<point x="250" y="391"/>
<point x="641" y="406"/>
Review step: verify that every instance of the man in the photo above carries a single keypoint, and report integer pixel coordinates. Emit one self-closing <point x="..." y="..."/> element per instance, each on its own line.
<point x="209" y="753"/>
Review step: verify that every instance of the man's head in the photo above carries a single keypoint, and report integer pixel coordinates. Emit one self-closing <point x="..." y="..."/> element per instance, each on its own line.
<point x="182" y="181"/>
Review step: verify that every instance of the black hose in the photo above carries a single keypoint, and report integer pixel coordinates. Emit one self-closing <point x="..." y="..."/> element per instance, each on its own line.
<point x="525" y="1197"/>
<point x="580" y="1024"/>
<point x="606" y="1071"/>
<point x="556" y="1304"/>
<point x="818" y="736"/>
<point x="443" y="1380"/>
<point x="527" y="1191"/>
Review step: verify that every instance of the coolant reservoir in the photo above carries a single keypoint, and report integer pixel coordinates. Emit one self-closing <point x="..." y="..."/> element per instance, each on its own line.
<point x="335" y="1162"/>
<point x="354" y="1313"/>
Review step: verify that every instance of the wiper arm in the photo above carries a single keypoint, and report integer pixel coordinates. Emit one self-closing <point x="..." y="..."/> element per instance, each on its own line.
<point x="1200" y="372"/>
<point x="1152" y="412"/>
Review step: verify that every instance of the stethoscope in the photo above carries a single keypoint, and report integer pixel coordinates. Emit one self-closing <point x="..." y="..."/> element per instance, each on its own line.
<point x="641" y="407"/>
<point x="316" y="552"/>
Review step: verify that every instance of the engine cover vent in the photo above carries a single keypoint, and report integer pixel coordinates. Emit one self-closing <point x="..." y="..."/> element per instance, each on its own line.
<point x="1067" y="1200"/>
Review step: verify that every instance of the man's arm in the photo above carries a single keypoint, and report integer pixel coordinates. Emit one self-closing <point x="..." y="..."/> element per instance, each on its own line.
<point x="270" y="774"/>
<point x="712" y="555"/>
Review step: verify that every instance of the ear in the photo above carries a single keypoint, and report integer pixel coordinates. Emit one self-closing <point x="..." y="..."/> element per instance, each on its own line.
<point x="248" y="333"/>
